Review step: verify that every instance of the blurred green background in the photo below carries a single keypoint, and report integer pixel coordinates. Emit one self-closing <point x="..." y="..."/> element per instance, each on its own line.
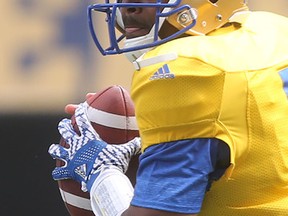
<point x="47" y="60"/>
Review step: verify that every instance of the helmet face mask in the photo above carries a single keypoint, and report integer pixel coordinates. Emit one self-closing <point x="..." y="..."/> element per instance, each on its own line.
<point x="192" y="17"/>
<point x="114" y="21"/>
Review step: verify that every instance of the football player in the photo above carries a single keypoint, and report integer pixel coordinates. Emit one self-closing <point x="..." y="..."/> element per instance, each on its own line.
<point x="210" y="91"/>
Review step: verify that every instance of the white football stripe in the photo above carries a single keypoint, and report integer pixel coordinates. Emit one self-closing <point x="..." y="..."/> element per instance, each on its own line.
<point x="76" y="201"/>
<point x="112" y="120"/>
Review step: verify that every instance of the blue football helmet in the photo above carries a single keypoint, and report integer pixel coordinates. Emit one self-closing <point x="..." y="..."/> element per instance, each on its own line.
<point x="191" y="17"/>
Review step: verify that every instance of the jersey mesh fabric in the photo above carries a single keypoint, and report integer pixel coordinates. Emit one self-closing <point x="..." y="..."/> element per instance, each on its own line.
<point x="174" y="176"/>
<point x="265" y="165"/>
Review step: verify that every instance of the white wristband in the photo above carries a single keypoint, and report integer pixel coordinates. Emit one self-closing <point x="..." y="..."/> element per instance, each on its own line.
<point x="111" y="193"/>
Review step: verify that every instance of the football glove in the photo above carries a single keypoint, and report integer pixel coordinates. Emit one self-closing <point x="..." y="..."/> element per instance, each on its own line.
<point x="88" y="154"/>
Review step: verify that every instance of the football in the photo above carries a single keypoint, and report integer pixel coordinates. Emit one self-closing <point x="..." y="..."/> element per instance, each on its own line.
<point x="111" y="113"/>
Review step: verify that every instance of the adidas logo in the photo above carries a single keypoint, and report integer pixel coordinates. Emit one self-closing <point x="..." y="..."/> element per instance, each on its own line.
<point x="162" y="73"/>
<point x="81" y="171"/>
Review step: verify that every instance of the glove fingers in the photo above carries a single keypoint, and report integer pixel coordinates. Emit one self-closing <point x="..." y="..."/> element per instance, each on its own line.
<point x="134" y="145"/>
<point x="60" y="173"/>
<point x="83" y="123"/>
<point x="66" y="130"/>
<point x="58" y="152"/>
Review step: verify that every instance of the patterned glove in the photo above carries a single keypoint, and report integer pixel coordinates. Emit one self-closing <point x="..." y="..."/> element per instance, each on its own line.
<point x="87" y="154"/>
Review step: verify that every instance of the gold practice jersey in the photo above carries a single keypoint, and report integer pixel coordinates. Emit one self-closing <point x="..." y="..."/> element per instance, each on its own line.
<point x="231" y="85"/>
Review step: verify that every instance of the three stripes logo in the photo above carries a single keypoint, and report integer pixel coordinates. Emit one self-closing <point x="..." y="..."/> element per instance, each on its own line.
<point x="81" y="171"/>
<point x="163" y="73"/>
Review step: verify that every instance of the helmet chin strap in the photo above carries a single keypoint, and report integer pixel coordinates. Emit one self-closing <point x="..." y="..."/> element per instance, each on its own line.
<point x="134" y="55"/>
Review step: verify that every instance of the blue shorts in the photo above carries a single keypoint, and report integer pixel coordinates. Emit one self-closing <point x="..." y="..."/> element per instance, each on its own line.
<point x="175" y="176"/>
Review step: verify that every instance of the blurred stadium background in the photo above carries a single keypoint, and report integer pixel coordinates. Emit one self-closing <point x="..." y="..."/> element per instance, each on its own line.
<point x="47" y="59"/>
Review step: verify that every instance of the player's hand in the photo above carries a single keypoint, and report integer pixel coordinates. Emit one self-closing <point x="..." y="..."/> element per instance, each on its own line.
<point x="87" y="154"/>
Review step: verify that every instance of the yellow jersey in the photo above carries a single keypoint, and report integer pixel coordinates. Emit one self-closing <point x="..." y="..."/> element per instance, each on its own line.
<point x="231" y="85"/>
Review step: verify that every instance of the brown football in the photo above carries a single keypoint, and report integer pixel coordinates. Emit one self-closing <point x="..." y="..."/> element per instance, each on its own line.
<point x="111" y="112"/>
